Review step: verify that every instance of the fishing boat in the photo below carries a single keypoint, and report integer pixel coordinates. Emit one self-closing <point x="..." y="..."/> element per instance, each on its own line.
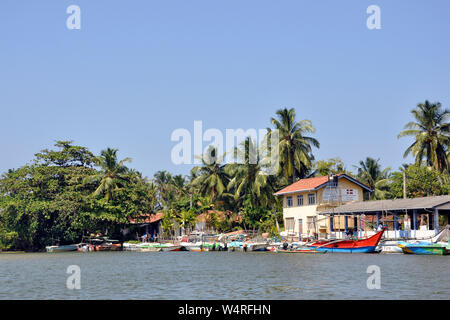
<point x="99" y="244"/>
<point x="256" y="246"/>
<point x="389" y="246"/>
<point x="64" y="248"/>
<point x="150" y="247"/>
<point x="363" y="245"/>
<point x="438" y="245"/>
<point x="198" y="249"/>
<point x="301" y="250"/>
<point x="424" y="248"/>
<point x="166" y="247"/>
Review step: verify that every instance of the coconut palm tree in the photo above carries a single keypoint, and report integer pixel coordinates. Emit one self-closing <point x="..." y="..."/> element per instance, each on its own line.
<point x="431" y="132"/>
<point x="113" y="173"/>
<point x="249" y="180"/>
<point x="211" y="178"/>
<point x="187" y="218"/>
<point x="295" y="148"/>
<point x="179" y="185"/>
<point x="162" y="180"/>
<point x="370" y="173"/>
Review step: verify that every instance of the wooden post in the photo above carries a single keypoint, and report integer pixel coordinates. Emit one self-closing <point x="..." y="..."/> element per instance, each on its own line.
<point x="414" y="221"/>
<point x="276" y="220"/>
<point x="395" y="224"/>
<point x="404" y="185"/>
<point x="346" y="223"/>
<point x="378" y="220"/>
<point x="436" y="221"/>
<point x="331" y="223"/>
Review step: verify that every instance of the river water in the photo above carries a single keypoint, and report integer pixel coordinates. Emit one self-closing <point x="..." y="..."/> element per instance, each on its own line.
<point x="222" y="275"/>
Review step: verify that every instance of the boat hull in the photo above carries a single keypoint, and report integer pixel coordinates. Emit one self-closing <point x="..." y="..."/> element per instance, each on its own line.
<point x="257" y="247"/>
<point x="66" y="248"/>
<point x="171" y="248"/>
<point x="307" y="251"/>
<point x="424" y="249"/>
<point x="370" y="249"/>
<point x="367" y="245"/>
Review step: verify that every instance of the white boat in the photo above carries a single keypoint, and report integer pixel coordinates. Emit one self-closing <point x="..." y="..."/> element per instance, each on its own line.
<point x="170" y="247"/>
<point x="65" y="248"/>
<point x="389" y="246"/>
<point x="257" y="246"/>
<point x="150" y="247"/>
<point x="392" y="246"/>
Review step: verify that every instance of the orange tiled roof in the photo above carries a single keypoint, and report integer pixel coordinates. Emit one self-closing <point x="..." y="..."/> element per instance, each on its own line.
<point x="313" y="183"/>
<point x="148" y="218"/>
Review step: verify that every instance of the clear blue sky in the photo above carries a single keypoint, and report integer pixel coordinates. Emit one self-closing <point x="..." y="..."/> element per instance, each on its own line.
<point x="137" y="70"/>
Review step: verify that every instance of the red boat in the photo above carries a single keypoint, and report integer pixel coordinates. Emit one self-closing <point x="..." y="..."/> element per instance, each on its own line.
<point x="364" y="245"/>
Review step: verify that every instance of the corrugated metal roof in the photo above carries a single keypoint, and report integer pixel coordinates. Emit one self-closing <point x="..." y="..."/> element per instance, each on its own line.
<point x="439" y="202"/>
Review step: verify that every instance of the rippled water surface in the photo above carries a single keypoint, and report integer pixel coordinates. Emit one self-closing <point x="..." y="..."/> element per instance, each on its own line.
<point x="222" y="275"/>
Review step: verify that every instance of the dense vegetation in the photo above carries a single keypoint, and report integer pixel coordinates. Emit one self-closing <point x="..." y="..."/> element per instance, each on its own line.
<point x="67" y="193"/>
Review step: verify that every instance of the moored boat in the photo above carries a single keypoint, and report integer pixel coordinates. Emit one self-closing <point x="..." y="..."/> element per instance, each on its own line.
<point x="424" y="248"/>
<point x="99" y="244"/>
<point x="364" y="245"/>
<point x="390" y="246"/>
<point x="301" y="250"/>
<point x="438" y="245"/>
<point x="64" y="248"/>
<point x="256" y="246"/>
<point x="170" y="247"/>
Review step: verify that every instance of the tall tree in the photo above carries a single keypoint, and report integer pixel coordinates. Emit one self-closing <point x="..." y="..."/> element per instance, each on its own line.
<point x="431" y="132"/>
<point x="330" y="166"/>
<point x="295" y="147"/>
<point x="370" y="173"/>
<point x="211" y="178"/>
<point x="248" y="178"/>
<point x="113" y="173"/>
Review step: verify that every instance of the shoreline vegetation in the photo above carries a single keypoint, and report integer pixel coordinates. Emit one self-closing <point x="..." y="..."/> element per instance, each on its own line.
<point x="66" y="193"/>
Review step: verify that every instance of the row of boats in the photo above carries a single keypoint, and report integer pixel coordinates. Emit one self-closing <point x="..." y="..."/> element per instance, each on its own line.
<point x="438" y="245"/>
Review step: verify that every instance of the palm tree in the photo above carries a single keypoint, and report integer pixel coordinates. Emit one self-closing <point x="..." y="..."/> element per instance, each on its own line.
<point x="178" y="185"/>
<point x="210" y="178"/>
<point x="187" y="218"/>
<point x="113" y="173"/>
<point x="295" y="148"/>
<point x="249" y="180"/>
<point x="370" y="173"/>
<point x="162" y="180"/>
<point x="431" y="131"/>
<point x="168" y="222"/>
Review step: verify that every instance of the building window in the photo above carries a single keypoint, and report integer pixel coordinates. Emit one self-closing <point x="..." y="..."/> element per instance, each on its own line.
<point x="300" y="200"/>
<point x="311" y="198"/>
<point x="290" y="224"/>
<point x="289" y="201"/>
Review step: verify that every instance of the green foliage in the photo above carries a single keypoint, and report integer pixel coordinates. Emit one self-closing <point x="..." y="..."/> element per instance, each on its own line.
<point x="329" y="167"/>
<point x="431" y="132"/>
<point x="370" y="173"/>
<point x="295" y="148"/>
<point x="54" y="200"/>
<point x="421" y="181"/>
